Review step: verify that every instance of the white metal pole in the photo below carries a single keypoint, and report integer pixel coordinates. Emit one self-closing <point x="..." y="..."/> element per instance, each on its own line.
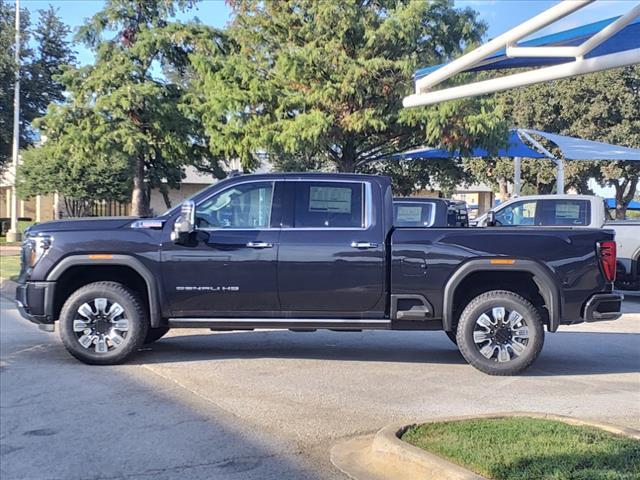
<point x="517" y="177"/>
<point x="13" y="235"/>
<point x="560" y="179"/>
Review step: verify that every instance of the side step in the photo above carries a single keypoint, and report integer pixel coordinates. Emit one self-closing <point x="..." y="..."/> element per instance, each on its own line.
<point x="286" y="323"/>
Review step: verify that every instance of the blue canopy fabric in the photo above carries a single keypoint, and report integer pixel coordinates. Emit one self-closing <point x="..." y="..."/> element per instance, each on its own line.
<point x="626" y="39"/>
<point x="633" y="204"/>
<point x="572" y="149"/>
<point x="578" y="149"/>
<point x="516" y="148"/>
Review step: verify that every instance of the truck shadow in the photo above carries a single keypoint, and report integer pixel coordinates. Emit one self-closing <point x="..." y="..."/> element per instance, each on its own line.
<point x="565" y="353"/>
<point x="631" y="302"/>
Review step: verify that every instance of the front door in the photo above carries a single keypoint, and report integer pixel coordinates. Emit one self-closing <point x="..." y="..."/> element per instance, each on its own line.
<point x="331" y="256"/>
<point x="228" y="268"/>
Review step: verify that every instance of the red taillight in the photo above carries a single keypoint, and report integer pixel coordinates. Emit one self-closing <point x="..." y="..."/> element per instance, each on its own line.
<point x="607" y="252"/>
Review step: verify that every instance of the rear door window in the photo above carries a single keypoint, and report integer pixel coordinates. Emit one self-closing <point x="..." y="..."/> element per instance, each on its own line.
<point x="413" y="214"/>
<point x="329" y="205"/>
<point x="567" y="213"/>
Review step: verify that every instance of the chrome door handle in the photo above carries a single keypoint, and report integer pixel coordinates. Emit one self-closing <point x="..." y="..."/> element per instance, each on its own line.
<point x="364" y="245"/>
<point x="259" y="245"/>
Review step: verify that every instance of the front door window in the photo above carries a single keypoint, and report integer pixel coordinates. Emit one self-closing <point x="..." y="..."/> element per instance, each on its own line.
<point x="518" y="213"/>
<point x="244" y="206"/>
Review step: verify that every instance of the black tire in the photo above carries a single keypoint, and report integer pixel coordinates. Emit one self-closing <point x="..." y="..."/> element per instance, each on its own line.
<point x="130" y="339"/>
<point x="502" y="339"/>
<point x="452" y="335"/>
<point x="154" y="334"/>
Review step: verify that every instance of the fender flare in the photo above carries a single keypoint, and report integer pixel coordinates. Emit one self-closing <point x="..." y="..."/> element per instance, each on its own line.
<point x="108" y="259"/>
<point x="541" y="276"/>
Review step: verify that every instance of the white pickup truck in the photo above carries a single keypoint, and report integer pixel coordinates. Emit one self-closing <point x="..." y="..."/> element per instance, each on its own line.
<point x="579" y="211"/>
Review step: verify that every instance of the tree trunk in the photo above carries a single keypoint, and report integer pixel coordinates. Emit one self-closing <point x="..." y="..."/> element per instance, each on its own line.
<point x="164" y="190"/>
<point x="625" y="191"/>
<point x="139" y="199"/>
<point x="503" y="194"/>
<point x="347" y="158"/>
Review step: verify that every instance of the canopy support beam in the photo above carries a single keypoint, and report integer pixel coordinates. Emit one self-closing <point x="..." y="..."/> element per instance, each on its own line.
<point x="559" y="163"/>
<point x="546" y="74"/>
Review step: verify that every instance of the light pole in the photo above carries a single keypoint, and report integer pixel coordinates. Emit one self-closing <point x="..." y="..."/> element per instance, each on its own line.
<point x="13" y="235"/>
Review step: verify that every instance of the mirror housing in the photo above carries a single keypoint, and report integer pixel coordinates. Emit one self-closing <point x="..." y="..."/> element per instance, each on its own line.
<point x="186" y="222"/>
<point x="491" y="218"/>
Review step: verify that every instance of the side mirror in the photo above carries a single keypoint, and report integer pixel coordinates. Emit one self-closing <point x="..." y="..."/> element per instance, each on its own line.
<point x="491" y="218"/>
<point x="186" y="222"/>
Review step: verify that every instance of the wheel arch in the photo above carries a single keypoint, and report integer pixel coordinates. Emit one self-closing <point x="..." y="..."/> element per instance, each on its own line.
<point x="542" y="278"/>
<point x="152" y="293"/>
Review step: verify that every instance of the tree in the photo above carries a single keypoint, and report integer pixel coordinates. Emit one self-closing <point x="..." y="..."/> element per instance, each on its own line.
<point x="602" y="106"/>
<point x="320" y="84"/>
<point x="123" y="118"/>
<point x="44" y="50"/>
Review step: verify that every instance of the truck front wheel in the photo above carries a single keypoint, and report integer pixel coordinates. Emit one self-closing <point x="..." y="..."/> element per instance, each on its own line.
<point x="103" y="323"/>
<point x="500" y="333"/>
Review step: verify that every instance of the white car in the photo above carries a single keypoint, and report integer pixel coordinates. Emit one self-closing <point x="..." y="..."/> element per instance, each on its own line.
<point x="576" y="211"/>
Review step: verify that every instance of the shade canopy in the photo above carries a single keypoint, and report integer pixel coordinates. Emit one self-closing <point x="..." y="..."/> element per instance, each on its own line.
<point x="626" y="39"/>
<point x="633" y="204"/>
<point x="572" y="148"/>
<point x="598" y="46"/>
<point x="578" y="149"/>
<point x="516" y="148"/>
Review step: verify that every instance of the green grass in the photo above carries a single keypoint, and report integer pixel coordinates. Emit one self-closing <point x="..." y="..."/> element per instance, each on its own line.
<point x="9" y="266"/>
<point x="521" y="448"/>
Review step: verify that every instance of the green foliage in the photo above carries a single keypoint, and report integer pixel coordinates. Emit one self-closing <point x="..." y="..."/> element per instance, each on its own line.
<point x="123" y="119"/>
<point x="39" y="66"/>
<point x="527" y="448"/>
<point x="319" y="85"/>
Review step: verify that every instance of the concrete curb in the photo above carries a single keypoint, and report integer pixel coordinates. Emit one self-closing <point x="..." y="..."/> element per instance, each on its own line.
<point x="384" y="456"/>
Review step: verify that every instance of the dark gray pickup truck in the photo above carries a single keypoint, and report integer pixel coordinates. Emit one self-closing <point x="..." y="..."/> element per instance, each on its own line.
<point x="305" y="252"/>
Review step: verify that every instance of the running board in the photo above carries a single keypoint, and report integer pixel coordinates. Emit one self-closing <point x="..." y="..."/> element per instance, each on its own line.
<point x="287" y="323"/>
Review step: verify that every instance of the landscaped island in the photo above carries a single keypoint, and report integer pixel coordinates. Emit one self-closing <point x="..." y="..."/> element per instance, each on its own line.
<point x="521" y="448"/>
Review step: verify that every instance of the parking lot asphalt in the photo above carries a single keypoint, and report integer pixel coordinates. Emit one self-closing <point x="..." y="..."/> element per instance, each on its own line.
<point x="270" y="404"/>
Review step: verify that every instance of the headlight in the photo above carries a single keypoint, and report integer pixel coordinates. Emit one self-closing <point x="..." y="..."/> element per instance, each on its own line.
<point x="34" y="248"/>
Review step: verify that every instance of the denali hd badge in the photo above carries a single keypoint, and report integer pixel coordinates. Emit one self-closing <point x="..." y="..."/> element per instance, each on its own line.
<point x="206" y="288"/>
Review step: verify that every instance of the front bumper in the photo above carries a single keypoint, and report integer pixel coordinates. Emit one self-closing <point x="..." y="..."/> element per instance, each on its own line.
<point x="603" y="306"/>
<point x="35" y="302"/>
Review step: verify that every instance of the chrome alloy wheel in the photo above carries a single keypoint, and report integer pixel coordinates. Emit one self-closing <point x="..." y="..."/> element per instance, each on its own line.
<point x="501" y="335"/>
<point x="100" y="324"/>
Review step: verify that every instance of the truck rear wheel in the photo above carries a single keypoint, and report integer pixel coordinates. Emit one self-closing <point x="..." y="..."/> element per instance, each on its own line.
<point x="500" y="333"/>
<point x="103" y="323"/>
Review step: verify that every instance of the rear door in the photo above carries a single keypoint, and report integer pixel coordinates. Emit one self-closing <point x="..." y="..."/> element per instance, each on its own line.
<point x="331" y="260"/>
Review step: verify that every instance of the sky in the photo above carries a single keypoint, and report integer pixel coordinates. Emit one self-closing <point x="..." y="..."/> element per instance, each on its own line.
<point x="500" y="16"/>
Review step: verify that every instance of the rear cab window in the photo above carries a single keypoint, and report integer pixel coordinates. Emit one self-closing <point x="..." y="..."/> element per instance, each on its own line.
<point x="408" y="214"/>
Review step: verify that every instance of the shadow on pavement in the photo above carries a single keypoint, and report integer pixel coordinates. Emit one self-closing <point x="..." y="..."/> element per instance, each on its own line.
<point x="631" y="302"/>
<point x="61" y="419"/>
<point x="565" y="353"/>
